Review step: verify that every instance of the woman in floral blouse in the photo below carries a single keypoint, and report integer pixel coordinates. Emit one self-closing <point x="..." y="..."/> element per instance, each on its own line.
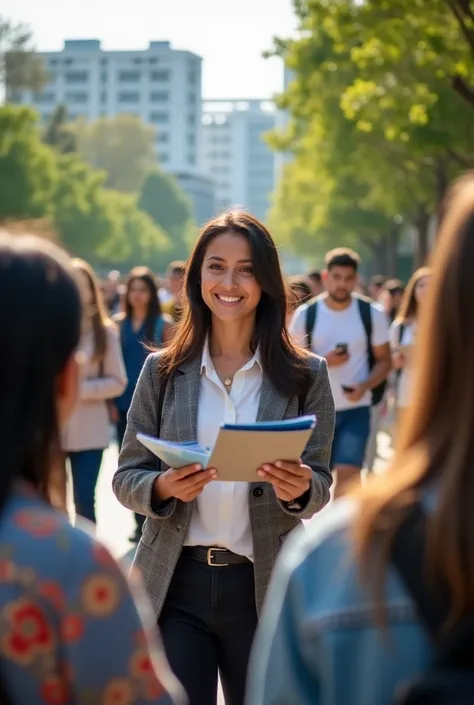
<point x="70" y="630"/>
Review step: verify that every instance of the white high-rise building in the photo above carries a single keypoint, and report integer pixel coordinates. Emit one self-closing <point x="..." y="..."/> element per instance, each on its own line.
<point x="235" y="154"/>
<point x="161" y="85"/>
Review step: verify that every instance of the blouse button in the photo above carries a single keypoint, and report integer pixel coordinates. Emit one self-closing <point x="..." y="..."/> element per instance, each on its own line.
<point x="258" y="491"/>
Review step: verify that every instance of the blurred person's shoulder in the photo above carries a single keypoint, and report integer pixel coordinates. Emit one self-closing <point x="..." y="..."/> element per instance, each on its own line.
<point x="39" y="541"/>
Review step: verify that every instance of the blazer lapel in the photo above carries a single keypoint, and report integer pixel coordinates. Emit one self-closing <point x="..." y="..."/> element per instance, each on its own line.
<point x="273" y="403"/>
<point x="186" y="388"/>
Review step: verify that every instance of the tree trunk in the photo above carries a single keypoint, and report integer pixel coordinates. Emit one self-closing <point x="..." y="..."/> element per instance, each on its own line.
<point x="391" y="251"/>
<point x="422" y="224"/>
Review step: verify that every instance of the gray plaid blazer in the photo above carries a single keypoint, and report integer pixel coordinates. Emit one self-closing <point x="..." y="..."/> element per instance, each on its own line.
<point x="167" y="523"/>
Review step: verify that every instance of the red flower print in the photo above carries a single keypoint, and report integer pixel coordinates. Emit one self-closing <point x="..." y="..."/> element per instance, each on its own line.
<point x="55" y="691"/>
<point x="52" y="592"/>
<point x="36" y="522"/>
<point x="140" y="664"/>
<point x="102" y="556"/>
<point x="72" y="627"/>
<point x="100" y="595"/>
<point x="28" y="632"/>
<point x="7" y="570"/>
<point x="118" y="692"/>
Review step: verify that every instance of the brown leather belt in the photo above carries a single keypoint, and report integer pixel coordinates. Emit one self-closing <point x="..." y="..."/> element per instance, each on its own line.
<point x="214" y="556"/>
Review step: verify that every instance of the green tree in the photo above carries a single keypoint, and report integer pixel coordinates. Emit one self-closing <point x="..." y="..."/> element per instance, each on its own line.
<point x="166" y="203"/>
<point x="120" y="146"/>
<point x="20" y="66"/>
<point x="353" y="177"/>
<point x="28" y="170"/>
<point x="58" y="132"/>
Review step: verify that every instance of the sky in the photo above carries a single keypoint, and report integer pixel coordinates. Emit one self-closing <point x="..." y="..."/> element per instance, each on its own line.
<point x="230" y="35"/>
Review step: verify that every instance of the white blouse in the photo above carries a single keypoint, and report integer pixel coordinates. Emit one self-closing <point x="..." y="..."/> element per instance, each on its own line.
<point x="221" y="512"/>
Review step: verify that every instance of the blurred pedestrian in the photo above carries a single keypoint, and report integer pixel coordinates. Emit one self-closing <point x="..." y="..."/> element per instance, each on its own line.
<point x="176" y="274"/>
<point x="142" y="326"/>
<point x="375" y="600"/>
<point x="87" y="434"/>
<point x="71" y="631"/>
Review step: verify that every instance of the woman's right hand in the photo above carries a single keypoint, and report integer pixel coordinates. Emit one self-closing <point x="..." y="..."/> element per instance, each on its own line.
<point x="185" y="484"/>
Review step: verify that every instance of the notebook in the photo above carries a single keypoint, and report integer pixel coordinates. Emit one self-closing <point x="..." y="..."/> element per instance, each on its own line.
<point x="240" y="449"/>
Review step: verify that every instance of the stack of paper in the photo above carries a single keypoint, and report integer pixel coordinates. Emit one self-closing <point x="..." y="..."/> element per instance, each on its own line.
<point x="240" y="449"/>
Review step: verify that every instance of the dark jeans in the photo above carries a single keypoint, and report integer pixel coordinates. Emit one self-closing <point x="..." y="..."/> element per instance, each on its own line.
<point x="121" y="426"/>
<point x="85" y="466"/>
<point x="207" y="624"/>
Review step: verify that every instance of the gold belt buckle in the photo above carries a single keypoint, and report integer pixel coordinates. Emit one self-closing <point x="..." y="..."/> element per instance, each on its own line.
<point x="210" y="556"/>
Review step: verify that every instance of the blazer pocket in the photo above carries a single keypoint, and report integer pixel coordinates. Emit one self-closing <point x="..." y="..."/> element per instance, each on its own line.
<point x="151" y="529"/>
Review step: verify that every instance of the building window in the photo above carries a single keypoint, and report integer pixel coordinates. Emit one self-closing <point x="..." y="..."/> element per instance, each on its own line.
<point x="103" y="61"/>
<point x="53" y="62"/>
<point x="192" y="98"/>
<point x="76" y="98"/>
<point x="125" y="97"/>
<point x="163" y="138"/>
<point x="157" y="76"/>
<point x="159" y="118"/>
<point x="76" y="76"/>
<point x="137" y="61"/>
<point x="159" y="96"/>
<point x="192" y="76"/>
<point x="191" y="140"/>
<point x="103" y="76"/>
<point x="163" y="157"/>
<point x="129" y="76"/>
<point x="191" y="120"/>
<point x="45" y="98"/>
<point x="191" y="158"/>
<point x="103" y="97"/>
<point x="69" y="61"/>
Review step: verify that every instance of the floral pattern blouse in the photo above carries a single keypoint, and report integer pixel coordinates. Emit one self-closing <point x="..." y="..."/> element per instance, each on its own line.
<point x="70" y="630"/>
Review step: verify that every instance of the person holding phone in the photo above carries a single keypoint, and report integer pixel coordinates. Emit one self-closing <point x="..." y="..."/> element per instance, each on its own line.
<point x="208" y="547"/>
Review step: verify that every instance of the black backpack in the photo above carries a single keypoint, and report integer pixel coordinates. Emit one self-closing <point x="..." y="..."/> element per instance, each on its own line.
<point x="365" y="311"/>
<point x="450" y="678"/>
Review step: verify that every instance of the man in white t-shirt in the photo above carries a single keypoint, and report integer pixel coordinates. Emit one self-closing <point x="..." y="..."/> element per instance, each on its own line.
<point x="343" y="322"/>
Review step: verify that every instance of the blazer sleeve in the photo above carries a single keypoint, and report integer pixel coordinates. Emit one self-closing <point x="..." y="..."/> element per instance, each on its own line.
<point x="138" y="467"/>
<point x="320" y="402"/>
<point x="114" y="379"/>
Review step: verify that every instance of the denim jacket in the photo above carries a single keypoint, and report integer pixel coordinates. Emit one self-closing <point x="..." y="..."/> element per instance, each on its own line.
<point x="317" y="642"/>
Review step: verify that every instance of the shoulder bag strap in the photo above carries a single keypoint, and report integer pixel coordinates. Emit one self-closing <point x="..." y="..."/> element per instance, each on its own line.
<point x="408" y="555"/>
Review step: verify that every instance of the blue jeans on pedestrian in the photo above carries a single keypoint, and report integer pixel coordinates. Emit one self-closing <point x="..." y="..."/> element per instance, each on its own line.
<point x="85" y="467"/>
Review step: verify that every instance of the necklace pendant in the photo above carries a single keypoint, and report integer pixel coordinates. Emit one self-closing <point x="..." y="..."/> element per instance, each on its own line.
<point x="227" y="381"/>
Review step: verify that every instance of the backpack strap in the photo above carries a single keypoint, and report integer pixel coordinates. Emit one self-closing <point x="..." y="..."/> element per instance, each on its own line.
<point x="365" y="310"/>
<point x="310" y="321"/>
<point x="408" y="555"/>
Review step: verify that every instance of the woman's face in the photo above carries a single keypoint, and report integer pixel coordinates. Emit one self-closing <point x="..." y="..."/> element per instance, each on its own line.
<point x="421" y="287"/>
<point x="228" y="284"/>
<point x="138" y="294"/>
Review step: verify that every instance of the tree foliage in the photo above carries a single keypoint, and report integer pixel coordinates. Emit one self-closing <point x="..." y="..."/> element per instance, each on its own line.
<point x="98" y="224"/>
<point x="169" y="207"/>
<point x="378" y="124"/>
<point x="59" y="133"/>
<point x="121" y="146"/>
<point x="20" y="66"/>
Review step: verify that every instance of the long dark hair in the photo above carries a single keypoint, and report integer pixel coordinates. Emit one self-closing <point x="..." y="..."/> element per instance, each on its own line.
<point x="154" y="312"/>
<point x="436" y="443"/>
<point x="40" y="332"/>
<point x="99" y="315"/>
<point x="285" y="365"/>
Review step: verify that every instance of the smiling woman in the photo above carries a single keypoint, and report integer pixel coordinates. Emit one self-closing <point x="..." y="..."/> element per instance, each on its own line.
<point x="231" y="361"/>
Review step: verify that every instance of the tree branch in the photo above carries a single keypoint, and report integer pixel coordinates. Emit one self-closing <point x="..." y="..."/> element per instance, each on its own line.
<point x="468" y="33"/>
<point x="462" y="89"/>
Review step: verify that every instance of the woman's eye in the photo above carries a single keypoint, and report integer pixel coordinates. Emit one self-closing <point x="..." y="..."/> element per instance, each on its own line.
<point x="247" y="270"/>
<point x="215" y="266"/>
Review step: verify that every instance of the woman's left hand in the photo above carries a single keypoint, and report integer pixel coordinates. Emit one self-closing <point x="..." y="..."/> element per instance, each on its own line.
<point x="289" y="480"/>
